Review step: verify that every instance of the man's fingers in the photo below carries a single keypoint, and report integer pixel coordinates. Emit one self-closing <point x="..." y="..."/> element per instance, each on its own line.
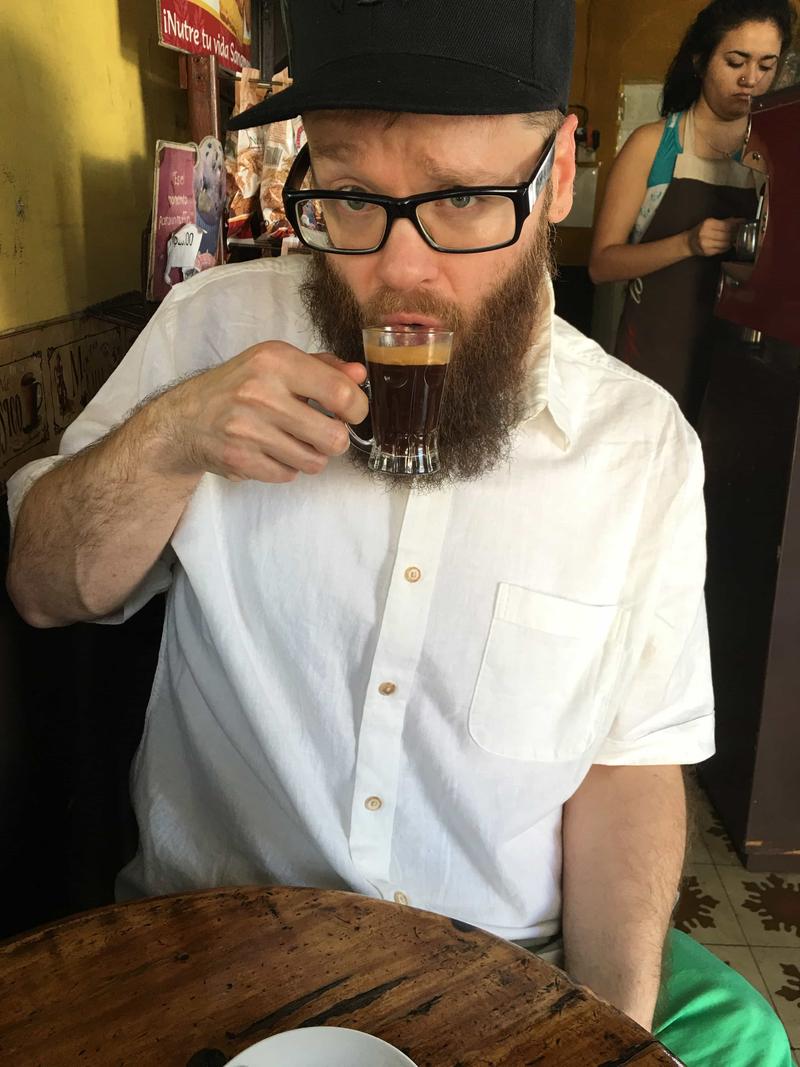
<point x="252" y="417"/>
<point x="327" y="357"/>
<point x="357" y="372"/>
<point x="257" y="467"/>
<point x="271" y="456"/>
<point x="324" y="434"/>
<point x="322" y="380"/>
<point x="296" y="455"/>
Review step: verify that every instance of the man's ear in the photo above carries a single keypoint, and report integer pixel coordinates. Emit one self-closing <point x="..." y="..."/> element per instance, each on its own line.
<point x="564" y="171"/>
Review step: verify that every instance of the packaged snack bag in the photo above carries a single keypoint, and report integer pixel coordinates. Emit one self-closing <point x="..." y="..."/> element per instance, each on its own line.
<point x="283" y="141"/>
<point x="244" y="161"/>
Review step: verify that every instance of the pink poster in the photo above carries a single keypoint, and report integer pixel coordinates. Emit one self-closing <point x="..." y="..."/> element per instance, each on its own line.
<point x="188" y="204"/>
<point x="173" y="208"/>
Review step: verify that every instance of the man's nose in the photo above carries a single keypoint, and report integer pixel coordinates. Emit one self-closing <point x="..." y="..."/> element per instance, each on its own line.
<point x="406" y="261"/>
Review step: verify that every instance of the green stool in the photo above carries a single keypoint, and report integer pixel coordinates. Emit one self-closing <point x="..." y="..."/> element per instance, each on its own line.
<point x="709" y="1016"/>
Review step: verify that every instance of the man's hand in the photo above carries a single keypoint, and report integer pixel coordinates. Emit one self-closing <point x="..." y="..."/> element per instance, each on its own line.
<point x="90" y="530"/>
<point x="250" y="418"/>
<point x="712" y="237"/>
<point x="624" y="841"/>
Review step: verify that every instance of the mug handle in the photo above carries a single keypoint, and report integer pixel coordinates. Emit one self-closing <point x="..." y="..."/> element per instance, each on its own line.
<point x="362" y="442"/>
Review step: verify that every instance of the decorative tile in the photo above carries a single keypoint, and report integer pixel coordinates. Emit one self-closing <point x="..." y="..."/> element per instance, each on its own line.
<point x="767" y="905"/>
<point x="741" y="958"/>
<point x="704" y="910"/>
<point x="780" y="968"/>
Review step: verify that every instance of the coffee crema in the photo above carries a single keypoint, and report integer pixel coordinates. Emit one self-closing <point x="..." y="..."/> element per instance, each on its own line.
<point x="437" y="353"/>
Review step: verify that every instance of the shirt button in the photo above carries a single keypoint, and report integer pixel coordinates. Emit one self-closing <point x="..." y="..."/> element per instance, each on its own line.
<point x="373" y="803"/>
<point x="413" y="574"/>
<point x="400" y="897"/>
<point x="387" y="688"/>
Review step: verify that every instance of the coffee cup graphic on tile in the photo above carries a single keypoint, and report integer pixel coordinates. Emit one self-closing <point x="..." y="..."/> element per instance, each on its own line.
<point x="31" y="396"/>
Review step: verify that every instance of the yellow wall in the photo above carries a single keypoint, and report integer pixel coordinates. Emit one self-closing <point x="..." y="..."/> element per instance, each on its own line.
<point x="86" y="91"/>
<point x="617" y="41"/>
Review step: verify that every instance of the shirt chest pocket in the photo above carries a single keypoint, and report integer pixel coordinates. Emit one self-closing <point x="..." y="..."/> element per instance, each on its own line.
<point x="546" y="676"/>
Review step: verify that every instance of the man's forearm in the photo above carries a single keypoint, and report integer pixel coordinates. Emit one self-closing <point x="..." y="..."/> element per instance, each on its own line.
<point x="624" y="843"/>
<point x="89" y="530"/>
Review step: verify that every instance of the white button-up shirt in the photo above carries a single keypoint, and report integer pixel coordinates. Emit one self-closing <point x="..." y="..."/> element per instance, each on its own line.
<point x="396" y="691"/>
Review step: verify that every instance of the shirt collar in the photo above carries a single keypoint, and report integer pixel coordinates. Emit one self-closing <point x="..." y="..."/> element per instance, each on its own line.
<point x="546" y="396"/>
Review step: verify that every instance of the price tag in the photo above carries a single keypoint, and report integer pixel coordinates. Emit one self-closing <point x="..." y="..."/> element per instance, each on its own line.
<point x="183" y="247"/>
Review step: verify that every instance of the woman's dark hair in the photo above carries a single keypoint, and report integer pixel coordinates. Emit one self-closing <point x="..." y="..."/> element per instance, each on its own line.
<point x="683" y="82"/>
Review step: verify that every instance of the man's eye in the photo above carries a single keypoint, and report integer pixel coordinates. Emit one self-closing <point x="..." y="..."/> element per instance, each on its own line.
<point x="355" y="205"/>
<point x="461" y="201"/>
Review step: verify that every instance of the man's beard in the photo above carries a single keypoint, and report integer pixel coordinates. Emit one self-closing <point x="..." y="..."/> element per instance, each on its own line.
<point x="485" y="391"/>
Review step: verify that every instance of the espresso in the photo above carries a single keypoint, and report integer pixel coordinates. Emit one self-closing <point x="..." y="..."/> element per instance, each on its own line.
<point x="406" y="387"/>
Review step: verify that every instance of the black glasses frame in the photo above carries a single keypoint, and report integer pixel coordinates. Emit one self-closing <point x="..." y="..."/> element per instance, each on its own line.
<point x="523" y="196"/>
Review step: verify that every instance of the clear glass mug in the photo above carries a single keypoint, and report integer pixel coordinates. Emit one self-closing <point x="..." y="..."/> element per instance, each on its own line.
<point x="407" y="371"/>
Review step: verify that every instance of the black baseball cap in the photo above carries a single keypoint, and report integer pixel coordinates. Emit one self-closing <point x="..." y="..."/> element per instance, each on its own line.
<point x="440" y="57"/>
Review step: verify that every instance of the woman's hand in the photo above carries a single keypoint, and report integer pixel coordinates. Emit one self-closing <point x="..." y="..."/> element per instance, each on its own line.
<point x="713" y="236"/>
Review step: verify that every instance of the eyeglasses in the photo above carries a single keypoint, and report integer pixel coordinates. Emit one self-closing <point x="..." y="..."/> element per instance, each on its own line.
<point x="460" y="220"/>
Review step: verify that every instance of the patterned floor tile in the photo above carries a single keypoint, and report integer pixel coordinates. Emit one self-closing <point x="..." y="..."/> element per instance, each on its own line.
<point x="741" y="958"/>
<point x="704" y="910"/>
<point x="697" y="850"/>
<point x="708" y="828"/>
<point x="766" y="905"/>
<point x="716" y="840"/>
<point x="780" y="968"/>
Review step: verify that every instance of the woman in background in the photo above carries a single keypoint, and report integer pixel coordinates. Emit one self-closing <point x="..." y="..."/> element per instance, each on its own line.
<point x="677" y="193"/>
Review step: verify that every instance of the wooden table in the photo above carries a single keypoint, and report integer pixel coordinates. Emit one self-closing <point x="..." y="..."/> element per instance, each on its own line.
<point x="189" y="981"/>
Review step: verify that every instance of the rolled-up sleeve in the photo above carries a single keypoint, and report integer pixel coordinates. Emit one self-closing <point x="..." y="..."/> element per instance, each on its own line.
<point x="19" y="483"/>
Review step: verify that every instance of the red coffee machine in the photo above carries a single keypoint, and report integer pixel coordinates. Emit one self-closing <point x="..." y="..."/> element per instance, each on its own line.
<point x="761" y="291"/>
<point x="750" y="429"/>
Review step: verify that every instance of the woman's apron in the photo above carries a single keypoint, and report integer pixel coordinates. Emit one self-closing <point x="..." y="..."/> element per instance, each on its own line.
<point x="666" y="323"/>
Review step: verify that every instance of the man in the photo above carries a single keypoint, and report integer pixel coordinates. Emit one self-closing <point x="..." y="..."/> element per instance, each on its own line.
<point x="471" y="694"/>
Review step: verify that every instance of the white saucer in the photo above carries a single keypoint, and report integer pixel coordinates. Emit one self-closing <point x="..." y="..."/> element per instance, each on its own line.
<point x="322" y="1046"/>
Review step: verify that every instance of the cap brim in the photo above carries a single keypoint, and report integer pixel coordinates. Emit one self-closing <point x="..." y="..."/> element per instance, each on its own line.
<point x="423" y="85"/>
